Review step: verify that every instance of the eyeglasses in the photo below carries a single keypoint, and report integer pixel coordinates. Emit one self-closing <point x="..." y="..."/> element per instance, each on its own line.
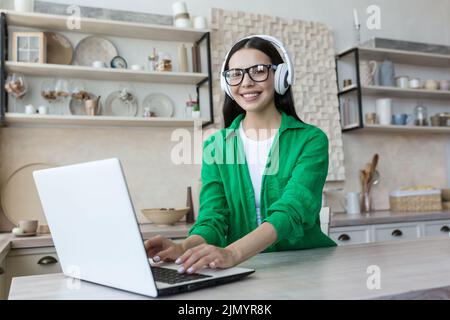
<point x="257" y="73"/>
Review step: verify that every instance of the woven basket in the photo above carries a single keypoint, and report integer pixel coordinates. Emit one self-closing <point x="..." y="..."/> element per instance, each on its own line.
<point x="429" y="200"/>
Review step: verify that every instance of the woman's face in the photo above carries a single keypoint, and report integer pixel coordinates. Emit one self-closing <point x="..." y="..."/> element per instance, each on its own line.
<point x="250" y="95"/>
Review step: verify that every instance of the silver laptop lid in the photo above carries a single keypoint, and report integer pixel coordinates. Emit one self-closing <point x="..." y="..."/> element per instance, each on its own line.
<point x="93" y="225"/>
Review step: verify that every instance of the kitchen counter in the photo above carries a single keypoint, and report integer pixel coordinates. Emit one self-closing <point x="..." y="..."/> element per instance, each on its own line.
<point x="9" y="241"/>
<point x="381" y="217"/>
<point x="409" y="269"/>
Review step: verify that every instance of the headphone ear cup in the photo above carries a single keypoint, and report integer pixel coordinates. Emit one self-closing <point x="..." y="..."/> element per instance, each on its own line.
<point x="225" y="87"/>
<point x="280" y="81"/>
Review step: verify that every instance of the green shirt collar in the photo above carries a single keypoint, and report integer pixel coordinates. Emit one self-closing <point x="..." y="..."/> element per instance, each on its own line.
<point x="287" y="122"/>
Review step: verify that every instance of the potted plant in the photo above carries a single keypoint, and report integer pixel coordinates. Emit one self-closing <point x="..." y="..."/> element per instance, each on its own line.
<point x="195" y="109"/>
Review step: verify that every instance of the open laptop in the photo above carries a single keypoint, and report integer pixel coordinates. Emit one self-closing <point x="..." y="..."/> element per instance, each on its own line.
<point x="97" y="237"/>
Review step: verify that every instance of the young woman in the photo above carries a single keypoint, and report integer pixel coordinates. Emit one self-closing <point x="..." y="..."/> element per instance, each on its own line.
<point x="247" y="207"/>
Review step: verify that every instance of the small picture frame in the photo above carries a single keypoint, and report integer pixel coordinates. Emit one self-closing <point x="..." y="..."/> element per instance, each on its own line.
<point x="29" y="47"/>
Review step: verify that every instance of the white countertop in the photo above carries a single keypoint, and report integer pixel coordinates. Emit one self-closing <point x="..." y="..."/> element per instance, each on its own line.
<point x="385" y="216"/>
<point x="9" y="241"/>
<point x="409" y="269"/>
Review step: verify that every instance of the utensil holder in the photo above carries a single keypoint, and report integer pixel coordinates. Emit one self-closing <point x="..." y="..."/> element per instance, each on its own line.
<point x="366" y="203"/>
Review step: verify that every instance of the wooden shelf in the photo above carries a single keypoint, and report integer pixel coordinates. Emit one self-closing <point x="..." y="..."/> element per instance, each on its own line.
<point x="105" y="27"/>
<point x="107" y="74"/>
<point x="405" y="93"/>
<point x="403" y="57"/>
<point x="406" y="129"/>
<point x="21" y="118"/>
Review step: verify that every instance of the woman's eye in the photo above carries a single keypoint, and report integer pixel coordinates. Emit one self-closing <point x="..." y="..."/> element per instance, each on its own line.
<point x="258" y="70"/>
<point x="234" y="74"/>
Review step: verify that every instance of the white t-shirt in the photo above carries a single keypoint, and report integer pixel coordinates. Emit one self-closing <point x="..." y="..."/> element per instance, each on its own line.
<point x="256" y="154"/>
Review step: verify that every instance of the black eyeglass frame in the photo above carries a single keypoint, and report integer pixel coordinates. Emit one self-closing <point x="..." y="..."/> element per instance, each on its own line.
<point x="246" y="70"/>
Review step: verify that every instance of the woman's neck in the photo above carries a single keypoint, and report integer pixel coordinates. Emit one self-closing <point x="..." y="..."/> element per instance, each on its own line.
<point x="263" y="122"/>
<point x="269" y="118"/>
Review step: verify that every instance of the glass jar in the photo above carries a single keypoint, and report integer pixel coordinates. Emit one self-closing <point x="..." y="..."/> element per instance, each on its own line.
<point x="421" y="115"/>
<point x="164" y="62"/>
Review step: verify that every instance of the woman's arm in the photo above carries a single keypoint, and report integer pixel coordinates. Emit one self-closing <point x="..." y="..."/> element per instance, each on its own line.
<point x="203" y="255"/>
<point x="253" y="243"/>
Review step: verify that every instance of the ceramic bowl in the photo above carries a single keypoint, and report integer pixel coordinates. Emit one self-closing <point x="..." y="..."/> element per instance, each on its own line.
<point x="165" y="216"/>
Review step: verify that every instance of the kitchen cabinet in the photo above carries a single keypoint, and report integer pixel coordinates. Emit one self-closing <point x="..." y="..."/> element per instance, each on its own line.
<point x="351" y="104"/>
<point x="352" y="235"/>
<point x="396" y="232"/>
<point x="2" y="280"/>
<point x="437" y="229"/>
<point x="27" y="262"/>
<point x="390" y="232"/>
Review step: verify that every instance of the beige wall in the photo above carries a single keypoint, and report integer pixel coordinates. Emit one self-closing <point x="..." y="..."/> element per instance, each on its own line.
<point x="153" y="180"/>
<point x="405" y="159"/>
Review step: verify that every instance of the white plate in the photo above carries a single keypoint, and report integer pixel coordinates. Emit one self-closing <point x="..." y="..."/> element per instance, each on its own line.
<point x="115" y="106"/>
<point x="19" y="197"/>
<point x="92" y="49"/>
<point x="160" y="104"/>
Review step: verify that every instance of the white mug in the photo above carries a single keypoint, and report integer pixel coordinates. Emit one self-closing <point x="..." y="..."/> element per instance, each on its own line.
<point x="43" y="110"/>
<point x="30" y="109"/>
<point x="24" y="5"/>
<point x="353" y="203"/>
<point x="179" y="8"/>
<point x="384" y="111"/>
<point x="137" y="67"/>
<point x="414" y="83"/>
<point x="98" y="64"/>
<point x="199" y="22"/>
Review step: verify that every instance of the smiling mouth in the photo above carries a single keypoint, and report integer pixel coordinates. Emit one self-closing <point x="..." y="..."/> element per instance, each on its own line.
<point x="251" y="96"/>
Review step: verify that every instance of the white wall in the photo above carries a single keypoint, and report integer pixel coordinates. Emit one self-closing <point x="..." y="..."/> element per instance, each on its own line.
<point x="414" y="20"/>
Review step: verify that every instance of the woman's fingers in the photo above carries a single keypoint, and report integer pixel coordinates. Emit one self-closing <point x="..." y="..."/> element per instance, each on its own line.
<point x="150" y="249"/>
<point x="215" y="264"/>
<point x="166" y="255"/>
<point x="188" y="253"/>
<point x="156" y="241"/>
<point x="154" y="245"/>
<point x="200" y="264"/>
<point x="196" y="258"/>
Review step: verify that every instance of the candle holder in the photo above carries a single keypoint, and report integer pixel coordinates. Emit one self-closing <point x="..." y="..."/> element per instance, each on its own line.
<point x="357" y="34"/>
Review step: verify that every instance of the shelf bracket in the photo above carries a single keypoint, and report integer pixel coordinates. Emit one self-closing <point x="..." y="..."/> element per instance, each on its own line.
<point x="207" y="37"/>
<point x="3" y="73"/>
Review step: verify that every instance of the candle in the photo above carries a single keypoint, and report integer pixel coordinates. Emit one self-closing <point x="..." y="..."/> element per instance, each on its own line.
<point x="355" y="15"/>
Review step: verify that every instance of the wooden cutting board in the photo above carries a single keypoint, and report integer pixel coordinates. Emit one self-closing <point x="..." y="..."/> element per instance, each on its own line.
<point x="59" y="48"/>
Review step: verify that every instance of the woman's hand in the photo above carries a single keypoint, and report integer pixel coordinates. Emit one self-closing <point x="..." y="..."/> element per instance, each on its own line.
<point x="160" y="248"/>
<point x="204" y="255"/>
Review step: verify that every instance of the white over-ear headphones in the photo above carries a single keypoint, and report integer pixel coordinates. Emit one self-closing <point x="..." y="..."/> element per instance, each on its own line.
<point x="284" y="74"/>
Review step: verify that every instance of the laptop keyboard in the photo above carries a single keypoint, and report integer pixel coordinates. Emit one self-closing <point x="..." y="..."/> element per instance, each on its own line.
<point x="171" y="276"/>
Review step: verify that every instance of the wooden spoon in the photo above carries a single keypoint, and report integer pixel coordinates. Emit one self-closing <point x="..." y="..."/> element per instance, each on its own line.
<point x="367" y="176"/>
<point x="362" y="178"/>
<point x="374" y="162"/>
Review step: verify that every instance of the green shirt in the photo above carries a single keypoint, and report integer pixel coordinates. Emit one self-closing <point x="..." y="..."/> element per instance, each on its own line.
<point x="291" y="188"/>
